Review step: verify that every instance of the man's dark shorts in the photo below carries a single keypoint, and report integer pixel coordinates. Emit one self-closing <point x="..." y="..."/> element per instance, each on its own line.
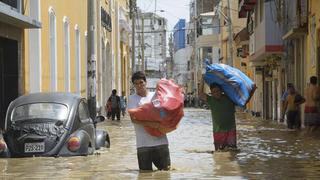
<point x="158" y="155"/>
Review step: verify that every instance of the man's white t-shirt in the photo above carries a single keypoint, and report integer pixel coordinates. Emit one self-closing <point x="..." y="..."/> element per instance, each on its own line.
<point x="143" y="138"/>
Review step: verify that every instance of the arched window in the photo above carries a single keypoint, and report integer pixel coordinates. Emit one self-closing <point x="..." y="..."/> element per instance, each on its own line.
<point x="78" y="60"/>
<point x="53" y="49"/>
<point x="66" y="53"/>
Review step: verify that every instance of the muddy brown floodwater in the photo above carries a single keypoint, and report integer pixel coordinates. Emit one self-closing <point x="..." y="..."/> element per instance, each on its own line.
<point x="267" y="150"/>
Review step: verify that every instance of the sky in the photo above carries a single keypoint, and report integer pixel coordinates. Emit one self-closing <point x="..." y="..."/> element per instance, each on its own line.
<point x="173" y="9"/>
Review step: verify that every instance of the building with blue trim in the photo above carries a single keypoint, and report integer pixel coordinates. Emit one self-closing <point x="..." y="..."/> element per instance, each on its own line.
<point x="179" y="35"/>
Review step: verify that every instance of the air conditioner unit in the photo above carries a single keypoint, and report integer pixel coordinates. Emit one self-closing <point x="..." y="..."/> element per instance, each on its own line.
<point x="252" y="44"/>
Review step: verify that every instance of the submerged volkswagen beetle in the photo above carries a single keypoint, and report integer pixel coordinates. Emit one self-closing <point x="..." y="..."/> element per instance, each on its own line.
<point x="50" y="124"/>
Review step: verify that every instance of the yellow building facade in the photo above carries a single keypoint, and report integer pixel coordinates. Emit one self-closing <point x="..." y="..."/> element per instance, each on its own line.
<point x="121" y="46"/>
<point x="104" y="60"/>
<point x="61" y="46"/>
<point x="113" y="65"/>
<point x="56" y="55"/>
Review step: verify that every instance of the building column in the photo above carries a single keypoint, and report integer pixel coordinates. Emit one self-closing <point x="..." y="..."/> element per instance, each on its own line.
<point x="35" y="49"/>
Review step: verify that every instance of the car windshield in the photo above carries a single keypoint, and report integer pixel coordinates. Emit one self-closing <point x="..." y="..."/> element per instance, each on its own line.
<point x="54" y="111"/>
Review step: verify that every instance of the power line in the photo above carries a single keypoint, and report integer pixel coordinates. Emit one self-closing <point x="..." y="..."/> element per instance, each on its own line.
<point x="209" y="27"/>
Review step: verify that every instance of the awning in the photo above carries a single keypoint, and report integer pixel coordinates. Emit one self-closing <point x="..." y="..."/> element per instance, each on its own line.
<point x="12" y="17"/>
<point x="242" y="37"/>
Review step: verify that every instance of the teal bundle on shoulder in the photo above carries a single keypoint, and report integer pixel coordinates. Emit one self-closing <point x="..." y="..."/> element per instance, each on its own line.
<point x="237" y="86"/>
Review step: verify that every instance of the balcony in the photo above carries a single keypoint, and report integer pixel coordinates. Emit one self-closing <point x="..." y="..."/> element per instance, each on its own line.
<point x="295" y="28"/>
<point x="266" y="39"/>
<point x="245" y="6"/>
<point x="295" y="33"/>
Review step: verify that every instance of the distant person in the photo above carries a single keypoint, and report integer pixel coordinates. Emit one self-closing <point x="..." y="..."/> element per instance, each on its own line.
<point x="185" y="102"/>
<point x="150" y="149"/>
<point x="223" y="117"/>
<point x="291" y="106"/>
<point x="191" y="100"/>
<point x="283" y="99"/>
<point x="311" y="112"/>
<point x="123" y="103"/>
<point x="115" y="105"/>
<point x="108" y="109"/>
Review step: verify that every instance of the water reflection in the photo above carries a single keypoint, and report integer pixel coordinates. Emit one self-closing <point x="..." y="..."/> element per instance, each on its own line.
<point x="266" y="151"/>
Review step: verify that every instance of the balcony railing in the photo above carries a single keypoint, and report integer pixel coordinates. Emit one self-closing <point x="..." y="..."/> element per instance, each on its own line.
<point x="295" y="23"/>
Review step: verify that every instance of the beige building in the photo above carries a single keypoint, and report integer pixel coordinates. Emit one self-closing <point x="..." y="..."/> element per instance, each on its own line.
<point x="240" y="39"/>
<point x="313" y="40"/>
<point x="114" y="72"/>
<point x="237" y="25"/>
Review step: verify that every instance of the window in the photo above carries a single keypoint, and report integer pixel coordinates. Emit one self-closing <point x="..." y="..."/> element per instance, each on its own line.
<point x="53" y="49"/>
<point x="53" y="111"/>
<point x="12" y="3"/>
<point x="78" y="60"/>
<point x="66" y="53"/>
<point x="83" y="112"/>
<point x="106" y="20"/>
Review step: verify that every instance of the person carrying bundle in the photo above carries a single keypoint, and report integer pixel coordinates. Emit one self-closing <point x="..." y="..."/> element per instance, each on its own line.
<point x="223" y="117"/>
<point x="229" y="87"/>
<point x="150" y="149"/>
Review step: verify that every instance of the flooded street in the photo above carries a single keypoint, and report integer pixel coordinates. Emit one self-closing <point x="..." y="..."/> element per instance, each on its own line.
<point x="266" y="151"/>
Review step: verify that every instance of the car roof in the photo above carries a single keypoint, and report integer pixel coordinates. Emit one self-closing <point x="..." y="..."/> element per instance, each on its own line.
<point x="56" y="97"/>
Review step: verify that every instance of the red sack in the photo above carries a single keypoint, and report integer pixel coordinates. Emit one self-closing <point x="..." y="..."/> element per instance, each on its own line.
<point x="166" y="107"/>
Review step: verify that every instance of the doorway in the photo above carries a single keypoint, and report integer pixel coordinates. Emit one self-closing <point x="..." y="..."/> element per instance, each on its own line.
<point x="8" y="75"/>
<point x="318" y="53"/>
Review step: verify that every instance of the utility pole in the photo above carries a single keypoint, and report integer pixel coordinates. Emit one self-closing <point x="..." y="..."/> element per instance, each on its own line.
<point x="142" y="44"/>
<point x="91" y="57"/>
<point x="170" y="74"/>
<point x="230" y="39"/>
<point x="195" y="55"/>
<point x="133" y="19"/>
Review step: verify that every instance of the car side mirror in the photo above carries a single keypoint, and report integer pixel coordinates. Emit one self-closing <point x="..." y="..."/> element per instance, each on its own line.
<point x="99" y="119"/>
